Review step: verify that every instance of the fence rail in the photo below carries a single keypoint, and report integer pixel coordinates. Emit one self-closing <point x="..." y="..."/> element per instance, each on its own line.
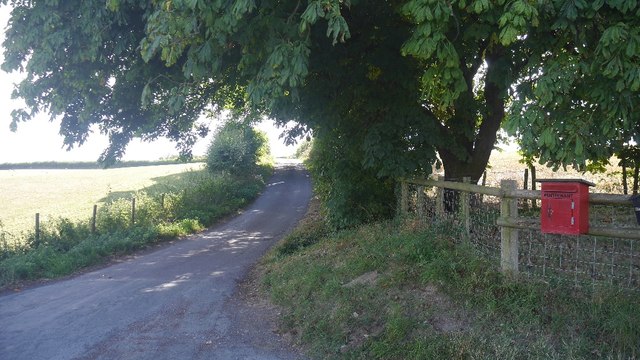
<point x="595" y="198"/>
<point x="492" y="221"/>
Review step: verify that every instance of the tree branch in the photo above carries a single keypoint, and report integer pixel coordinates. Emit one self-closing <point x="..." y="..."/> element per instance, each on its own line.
<point x="295" y="11"/>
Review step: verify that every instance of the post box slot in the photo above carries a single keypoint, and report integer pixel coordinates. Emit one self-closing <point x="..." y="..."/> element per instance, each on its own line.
<point x="561" y="188"/>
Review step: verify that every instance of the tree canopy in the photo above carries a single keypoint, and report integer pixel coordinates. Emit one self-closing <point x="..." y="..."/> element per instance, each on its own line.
<point x="579" y="100"/>
<point x="393" y="85"/>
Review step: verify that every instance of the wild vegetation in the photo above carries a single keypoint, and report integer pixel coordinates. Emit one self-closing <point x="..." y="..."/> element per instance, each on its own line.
<point x="185" y="203"/>
<point x="401" y="290"/>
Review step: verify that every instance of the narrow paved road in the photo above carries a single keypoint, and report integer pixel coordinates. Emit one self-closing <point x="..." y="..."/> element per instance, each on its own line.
<point x="169" y="304"/>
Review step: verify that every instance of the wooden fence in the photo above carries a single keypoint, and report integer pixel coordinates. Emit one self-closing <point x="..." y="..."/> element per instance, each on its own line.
<point x="510" y="224"/>
<point x="94" y="216"/>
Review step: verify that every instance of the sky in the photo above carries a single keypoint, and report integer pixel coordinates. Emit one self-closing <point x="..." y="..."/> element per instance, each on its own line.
<point x="39" y="140"/>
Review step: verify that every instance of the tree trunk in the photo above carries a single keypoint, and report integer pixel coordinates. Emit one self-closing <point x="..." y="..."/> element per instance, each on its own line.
<point x="467" y="145"/>
<point x="456" y="170"/>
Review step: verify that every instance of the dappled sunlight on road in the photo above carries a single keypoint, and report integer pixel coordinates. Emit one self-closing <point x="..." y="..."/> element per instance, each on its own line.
<point x="232" y="242"/>
<point x="169" y="285"/>
<point x="235" y="240"/>
<point x="229" y="241"/>
<point x="193" y="253"/>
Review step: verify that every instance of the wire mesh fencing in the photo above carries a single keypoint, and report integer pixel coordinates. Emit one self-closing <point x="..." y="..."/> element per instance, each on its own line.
<point x="579" y="260"/>
<point x="587" y="259"/>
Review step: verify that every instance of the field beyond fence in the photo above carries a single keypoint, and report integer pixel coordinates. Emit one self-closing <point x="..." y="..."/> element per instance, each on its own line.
<point x="72" y="193"/>
<point x="504" y="225"/>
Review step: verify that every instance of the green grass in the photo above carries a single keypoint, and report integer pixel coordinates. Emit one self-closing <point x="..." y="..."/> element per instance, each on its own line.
<point x="426" y="298"/>
<point x="192" y="200"/>
<point x="71" y="193"/>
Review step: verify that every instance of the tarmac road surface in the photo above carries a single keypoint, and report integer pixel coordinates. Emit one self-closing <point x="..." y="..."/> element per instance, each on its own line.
<point x="173" y="303"/>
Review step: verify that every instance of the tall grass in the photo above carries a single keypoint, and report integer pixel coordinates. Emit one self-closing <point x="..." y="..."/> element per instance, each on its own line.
<point x="423" y="297"/>
<point x="63" y="246"/>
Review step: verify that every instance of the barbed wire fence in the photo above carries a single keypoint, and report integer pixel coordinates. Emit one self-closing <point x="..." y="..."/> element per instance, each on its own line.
<point x="609" y="256"/>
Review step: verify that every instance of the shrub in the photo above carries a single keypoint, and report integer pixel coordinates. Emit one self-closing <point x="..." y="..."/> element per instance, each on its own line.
<point x="237" y="148"/>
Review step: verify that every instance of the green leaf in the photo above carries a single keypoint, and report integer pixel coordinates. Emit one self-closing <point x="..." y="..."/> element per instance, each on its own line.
<point x="632" y="47"/>
<point x="145" y="98"/>
<point x="313" y="12"/>
<point x="191" y="4"/>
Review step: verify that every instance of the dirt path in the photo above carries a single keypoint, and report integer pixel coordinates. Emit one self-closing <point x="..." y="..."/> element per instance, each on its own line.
<point x="179" y="302"/>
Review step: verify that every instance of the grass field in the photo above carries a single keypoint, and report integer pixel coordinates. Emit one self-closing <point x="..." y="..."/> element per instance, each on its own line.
<point x="72" y="193"/>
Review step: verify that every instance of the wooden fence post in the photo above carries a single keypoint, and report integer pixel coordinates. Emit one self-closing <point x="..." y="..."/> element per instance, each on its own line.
<point x="509" y="236"/>
<point x="420" y="204"/>
<point x="440" y="199"/>
<point x="625" y="187"/>
<point x="37" y="228"/>
<point x="465" y="210"/>
<point x="404" y="198"/>
<point x="93" y="219"/>
<point x="133" y="211"/>
<point x="526" y="187"/>
<point x="162" y="201"/>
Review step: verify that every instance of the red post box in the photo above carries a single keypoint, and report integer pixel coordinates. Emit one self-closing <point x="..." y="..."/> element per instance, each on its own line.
<point x="565" y="206"/>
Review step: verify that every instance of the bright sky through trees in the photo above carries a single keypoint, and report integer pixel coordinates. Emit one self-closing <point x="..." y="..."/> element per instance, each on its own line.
<point x="38" y="140"/>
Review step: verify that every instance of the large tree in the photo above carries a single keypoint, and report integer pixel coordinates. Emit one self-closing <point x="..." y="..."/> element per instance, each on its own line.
<point x="395" y="85"/>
